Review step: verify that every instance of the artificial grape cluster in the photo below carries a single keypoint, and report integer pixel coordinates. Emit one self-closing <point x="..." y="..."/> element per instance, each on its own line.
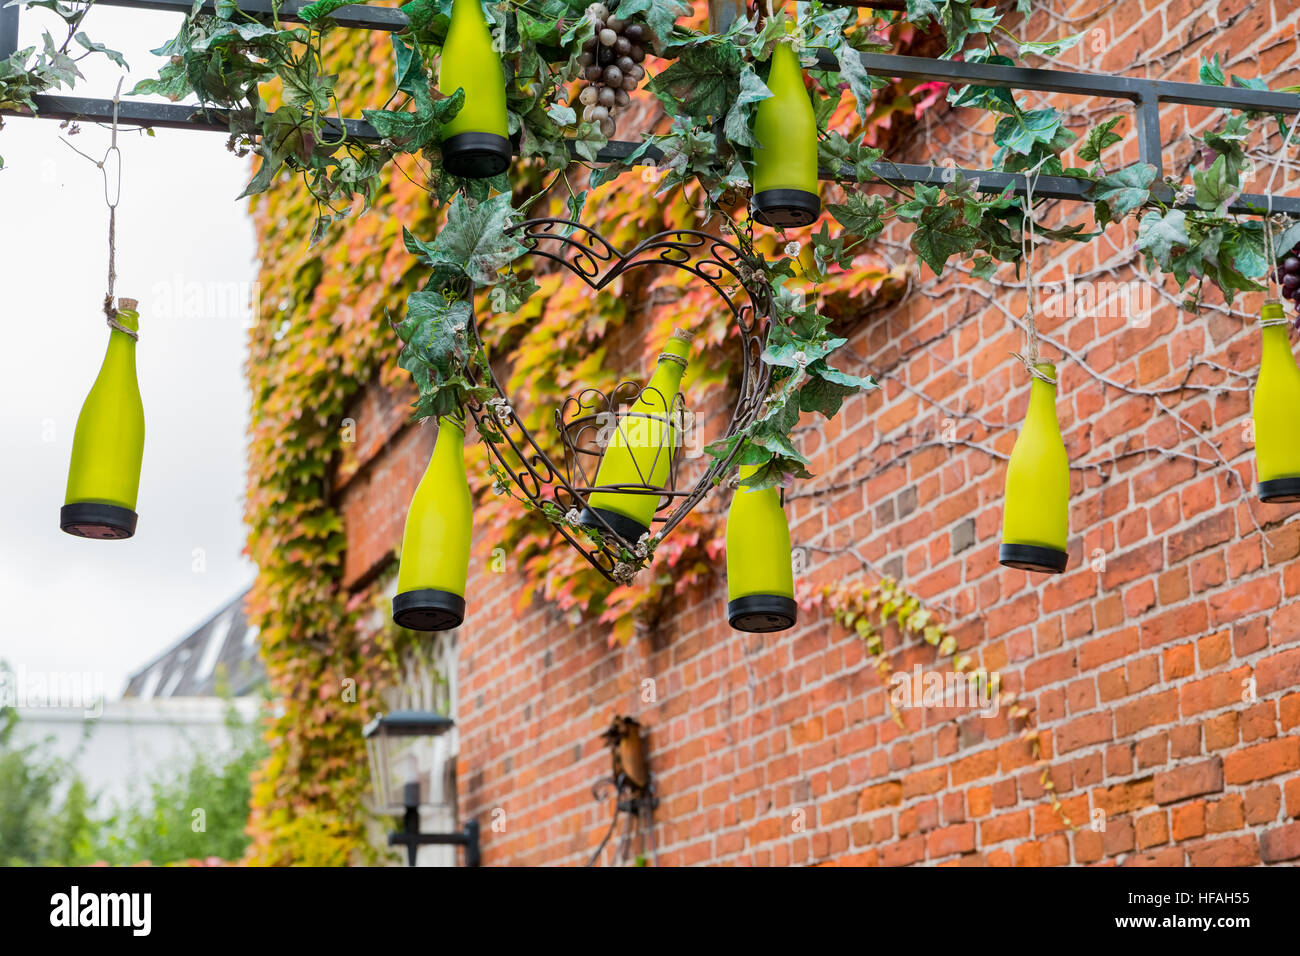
<point x="1288" y="276"/>
<point x="611" y="66"/>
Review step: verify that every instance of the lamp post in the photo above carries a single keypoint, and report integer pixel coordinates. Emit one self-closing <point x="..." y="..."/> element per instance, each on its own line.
<point x="395" y="770"/>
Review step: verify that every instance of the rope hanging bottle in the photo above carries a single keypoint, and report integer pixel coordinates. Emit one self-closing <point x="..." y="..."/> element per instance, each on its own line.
<point x="108" y="446"/>
<point x="1036" y="502"/>
<point x="1030" y="357"/>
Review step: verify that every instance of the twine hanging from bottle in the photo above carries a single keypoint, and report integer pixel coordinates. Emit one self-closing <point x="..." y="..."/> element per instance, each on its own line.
<point x="1030" y="357"/>
<point x="110" y="309"/>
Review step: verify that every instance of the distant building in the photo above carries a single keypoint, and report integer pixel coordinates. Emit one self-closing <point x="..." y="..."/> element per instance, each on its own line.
<point x="218" y="657"/>
<point x="171" y="708"/>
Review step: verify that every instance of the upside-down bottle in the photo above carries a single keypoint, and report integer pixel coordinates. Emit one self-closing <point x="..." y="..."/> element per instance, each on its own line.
<point x="640" y="448"/>
<point x="785" y="161"/>
<point x="1275" y="408"/>
<point x="475" y="141"/>
<point x="760" y="574"/>
<point x="1036" y="506"/>
<point x="435" y="544"/>
<point x="108" y="447"/>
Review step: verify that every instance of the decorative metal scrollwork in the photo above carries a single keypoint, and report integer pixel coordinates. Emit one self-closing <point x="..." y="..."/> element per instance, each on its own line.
<point x="559" y="488"/>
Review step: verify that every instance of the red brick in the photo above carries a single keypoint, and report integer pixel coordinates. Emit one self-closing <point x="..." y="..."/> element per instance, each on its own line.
<point x="1224" y="815"/>
<point x="1280" y="843"/>
<point x="1262" y="760"/>
<point x="1189" y="780"/>
<point x="1189" y="821"/>
<point x="1278" y="672"/>
<point x="955" y="839"/>
<point x="1230" y="851"/>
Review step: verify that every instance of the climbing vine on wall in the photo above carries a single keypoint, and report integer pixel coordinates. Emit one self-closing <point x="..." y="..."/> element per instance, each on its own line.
<point x="871" y="610"/>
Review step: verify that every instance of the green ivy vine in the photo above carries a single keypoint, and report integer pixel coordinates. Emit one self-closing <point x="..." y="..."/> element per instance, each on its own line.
<point x="709" y="87"/>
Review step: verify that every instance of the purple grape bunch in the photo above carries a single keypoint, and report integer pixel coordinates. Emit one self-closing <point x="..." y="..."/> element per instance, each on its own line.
<point x="611" y="66"/>
<point x="1287" y="277"/>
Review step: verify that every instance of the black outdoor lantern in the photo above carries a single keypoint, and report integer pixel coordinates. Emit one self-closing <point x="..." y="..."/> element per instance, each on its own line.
<point x="400" y="769"/>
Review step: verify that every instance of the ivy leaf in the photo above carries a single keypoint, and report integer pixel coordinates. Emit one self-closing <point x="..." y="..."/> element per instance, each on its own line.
<point x="1159" y="233"/>
<point x="959" y="21"/>
<point x="1215" y="190"/>
<point x="1098" y="139"/>
<point x="577" y="202"/>
<point x="1020" y="131"/>
<point x="1048" y="47"/>
<point x="589" y="141"/>
<point x="920" y="12"/>
<point x="96" y="47"/>
<point x="940" y="233"/>
<point x="984" y="267"/>
<point x="828" y="387"/>
<point x="473" y="239"/>
<point x="1288" y="239"/>
<point x="413" y="131"/>
<point x="435" y="330"/>
<point x="860" y="214"/>
<point x="562" y="115"/>
<point x="752" y="90"/>
<point x="1125" y="190"/>
<point x="411" y="76"/>
<point x="703" y="82"/>
<point x="321" y="9"/>
<point x="1211" y="72"/>
<point x="861" y="84"/>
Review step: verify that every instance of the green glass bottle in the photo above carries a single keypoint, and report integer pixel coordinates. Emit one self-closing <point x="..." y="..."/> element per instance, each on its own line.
<point x="434" y="567"/>
<point x="1036" y="506"/>
<point x="640" y="449"/>
<point x="108" y="447"/>
<point x="785" y="161"/>
<point x="1275" y="409"/>
<point x="475" y="142"/>
<point x="760" y="574"/>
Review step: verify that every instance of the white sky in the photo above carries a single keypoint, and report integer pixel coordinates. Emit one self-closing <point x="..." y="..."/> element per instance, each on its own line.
<point x="68" y="604"/>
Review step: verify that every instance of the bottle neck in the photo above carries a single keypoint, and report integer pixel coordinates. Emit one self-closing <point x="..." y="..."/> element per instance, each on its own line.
<point x="1042" y="399"/>
<point x="467" y="11"/>
<point x="449" y="447"/>
<point x="1277" y="343"/>
<point x="121" y="347"/>
<point x="785" y="71"/>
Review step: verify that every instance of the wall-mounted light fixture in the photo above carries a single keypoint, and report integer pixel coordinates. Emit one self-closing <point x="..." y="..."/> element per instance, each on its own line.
<point x="633" y="786"/>
<point x="401" y="778"/>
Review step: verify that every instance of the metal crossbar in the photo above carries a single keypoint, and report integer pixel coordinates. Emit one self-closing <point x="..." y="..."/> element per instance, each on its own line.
<point x="1146" y="95"/>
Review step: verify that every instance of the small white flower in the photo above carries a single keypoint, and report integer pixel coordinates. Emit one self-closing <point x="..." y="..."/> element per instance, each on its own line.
<point x="801" y="358"/>
<point x="497" y="487"/>
<point x="624" y="572"/>
<point x="573" y="516"/>
<point x="792" y="248"/>
<point x="643" y="544"/>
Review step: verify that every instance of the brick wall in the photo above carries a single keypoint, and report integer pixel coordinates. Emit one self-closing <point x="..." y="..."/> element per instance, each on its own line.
<point x="1162" y="668"/>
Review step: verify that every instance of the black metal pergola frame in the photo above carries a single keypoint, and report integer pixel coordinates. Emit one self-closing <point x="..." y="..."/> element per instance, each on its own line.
<point x="1146" y="95"/>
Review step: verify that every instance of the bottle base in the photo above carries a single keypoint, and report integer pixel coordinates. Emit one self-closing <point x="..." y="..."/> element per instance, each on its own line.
<point x="1280" y="490"/>
<point x="761" y="613"/>
<point x="786" y="208"/>
<point x="476" y="155"/>
<point x="88" y="519"/>
<point x="428" y="609"/>
<point x="1030" y="557"/>
<point x="627" y="529"/>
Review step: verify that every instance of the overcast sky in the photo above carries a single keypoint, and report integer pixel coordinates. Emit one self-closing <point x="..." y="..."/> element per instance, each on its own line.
<point x="186" y="251"/>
